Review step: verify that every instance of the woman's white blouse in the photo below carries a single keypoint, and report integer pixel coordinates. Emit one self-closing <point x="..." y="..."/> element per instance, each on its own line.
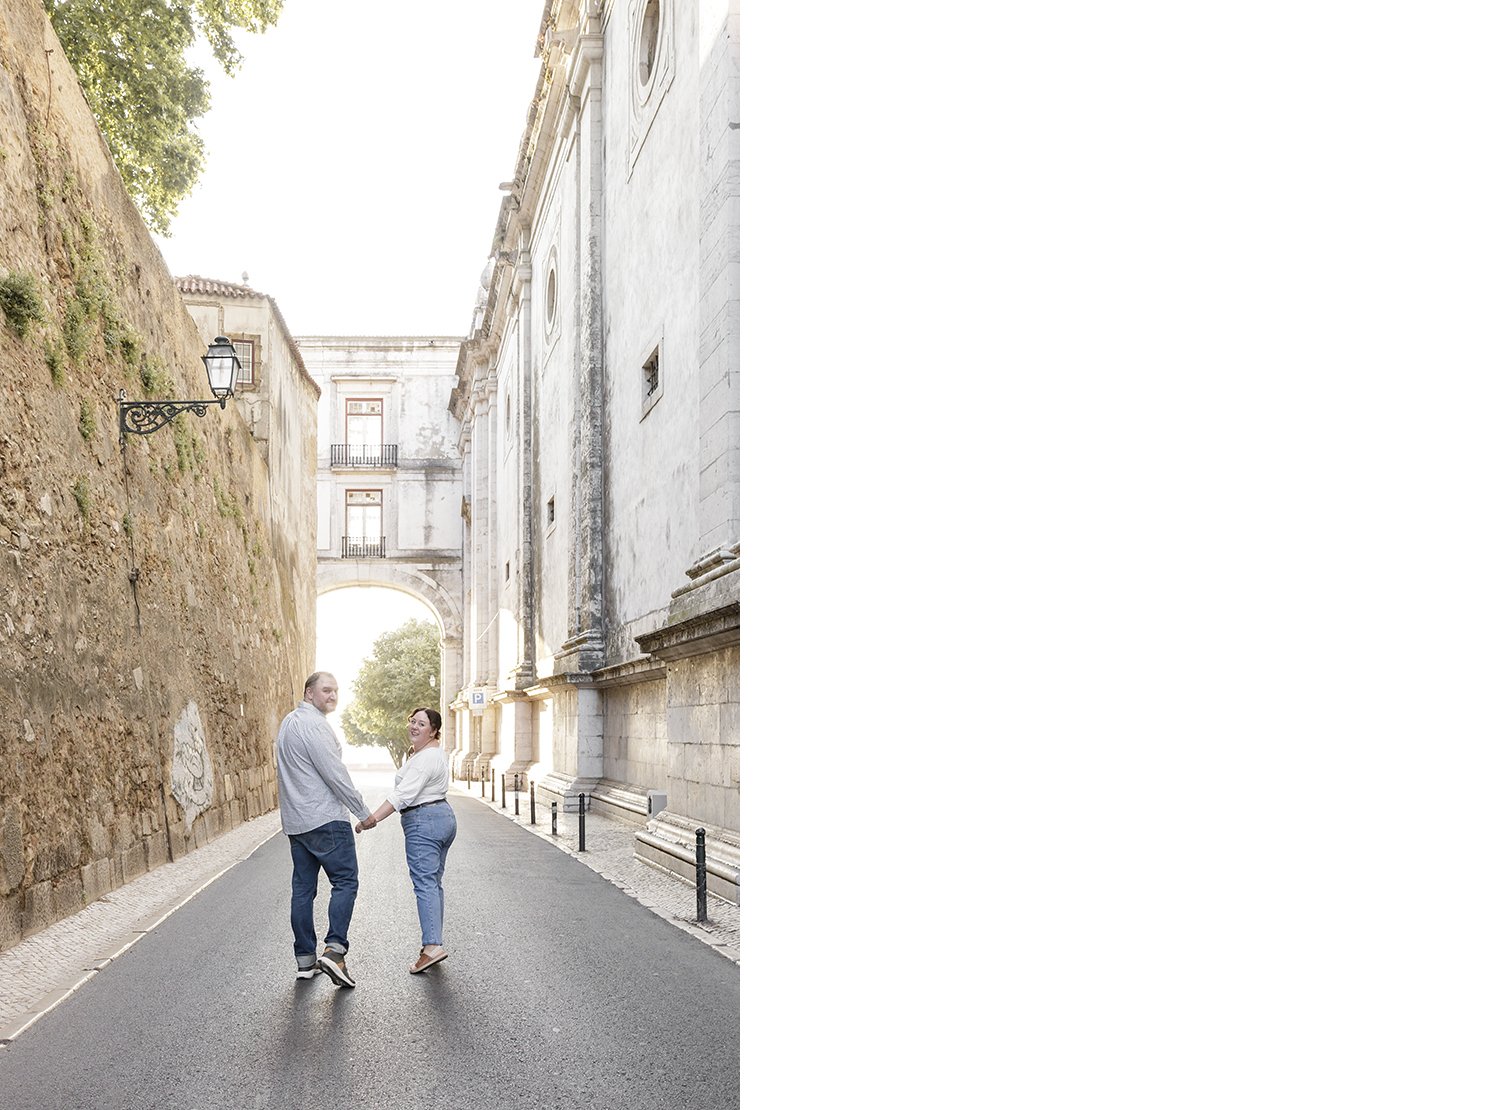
<point x="422" y="778"/>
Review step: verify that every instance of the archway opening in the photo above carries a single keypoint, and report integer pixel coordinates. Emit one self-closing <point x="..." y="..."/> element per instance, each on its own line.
<point x="350" y="620"/>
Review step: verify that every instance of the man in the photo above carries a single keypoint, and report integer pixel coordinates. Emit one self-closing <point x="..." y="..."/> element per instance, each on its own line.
<point x="315" y="791"/>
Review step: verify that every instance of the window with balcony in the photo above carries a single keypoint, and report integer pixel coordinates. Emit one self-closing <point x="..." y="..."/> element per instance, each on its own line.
<point x="364" y="535"/>
<point x="364" y="436"/>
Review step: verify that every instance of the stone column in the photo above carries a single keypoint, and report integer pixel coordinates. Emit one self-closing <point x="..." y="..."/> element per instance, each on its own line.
<point x="583" y="650"/>
<point x="590" y="734"/>
<point x="494" y="559"/>
<point x="484" y="481"/>
<point x="448" y="692"/>
<point x="468" y="672"/>
<point x="525" y="672"/>
<point x="484" y="517"/>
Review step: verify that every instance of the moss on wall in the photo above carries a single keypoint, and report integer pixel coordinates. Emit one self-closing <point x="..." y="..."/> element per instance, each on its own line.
<point x="131" y="624"/>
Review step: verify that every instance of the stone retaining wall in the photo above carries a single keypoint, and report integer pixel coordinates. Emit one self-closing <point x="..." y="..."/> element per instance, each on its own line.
<point x="137" y="718"/>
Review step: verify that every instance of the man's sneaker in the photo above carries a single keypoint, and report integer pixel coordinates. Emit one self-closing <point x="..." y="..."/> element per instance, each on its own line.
<point x="331" y="963"/>
<point x="429" y="955"/>
<point x="309" y="972"/>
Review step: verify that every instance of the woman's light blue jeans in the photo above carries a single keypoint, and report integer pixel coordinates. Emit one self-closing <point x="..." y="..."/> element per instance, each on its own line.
<point x="429" y="832"/>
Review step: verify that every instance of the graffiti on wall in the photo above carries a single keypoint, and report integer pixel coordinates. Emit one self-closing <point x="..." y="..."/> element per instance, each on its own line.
<point x="192" y="773"/>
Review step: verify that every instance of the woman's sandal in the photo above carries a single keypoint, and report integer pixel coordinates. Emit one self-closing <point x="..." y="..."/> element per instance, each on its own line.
<point x="424" y="961"/>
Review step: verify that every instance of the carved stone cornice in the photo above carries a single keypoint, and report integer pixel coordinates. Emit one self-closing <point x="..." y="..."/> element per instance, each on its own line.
<point x="703" y="615"/>
<point x="694" y="635"/>
<point x="485" y="347"/>
<point x="548" y="683"/>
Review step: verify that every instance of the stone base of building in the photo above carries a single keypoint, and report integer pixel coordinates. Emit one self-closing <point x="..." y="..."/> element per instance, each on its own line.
<point x="476" y="766"/>
<point x="671" y="843"/>
<point x="565" y="790"/>
<point x="517" y="774"/>
<point x="610" y="799"/>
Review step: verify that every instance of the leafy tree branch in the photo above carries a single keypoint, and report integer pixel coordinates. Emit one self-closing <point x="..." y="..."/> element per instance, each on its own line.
<point x="392" y="681"/>
<point x="131" y="60"/>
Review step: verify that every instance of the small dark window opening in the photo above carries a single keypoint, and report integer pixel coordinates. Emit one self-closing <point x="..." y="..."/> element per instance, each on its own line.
<point x="649" y="39"/>
<point x="551" y="510"/>
<point x="651" y="374"/>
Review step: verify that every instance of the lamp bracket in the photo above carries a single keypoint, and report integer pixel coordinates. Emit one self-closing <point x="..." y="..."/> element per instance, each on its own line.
<point x="144" y="417"/>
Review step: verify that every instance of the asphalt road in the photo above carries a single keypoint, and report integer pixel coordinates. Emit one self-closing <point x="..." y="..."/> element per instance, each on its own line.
<point x="560" y="991"/>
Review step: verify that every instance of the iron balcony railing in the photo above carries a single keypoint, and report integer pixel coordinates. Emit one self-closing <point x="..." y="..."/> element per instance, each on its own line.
<point x="364" y="549"/>
<point x="374" y="455"/>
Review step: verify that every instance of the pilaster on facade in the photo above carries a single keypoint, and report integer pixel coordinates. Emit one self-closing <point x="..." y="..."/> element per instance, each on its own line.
<point x="518" y="747"/>
<point x="482" y="511"/>
<point x="494" y="421"/>
<point x="524" y="673"/>
<point x="584" y="647"/>
<point x="481" y="713"/>
<point x="579" y="711"/>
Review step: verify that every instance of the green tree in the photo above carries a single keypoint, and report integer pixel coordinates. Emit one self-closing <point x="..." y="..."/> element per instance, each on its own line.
<point x="392" y="681"/>
<point x="131" y="59"/>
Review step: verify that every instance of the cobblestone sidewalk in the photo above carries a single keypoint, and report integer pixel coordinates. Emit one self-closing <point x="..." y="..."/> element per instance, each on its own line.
<point x="610" y="850"/>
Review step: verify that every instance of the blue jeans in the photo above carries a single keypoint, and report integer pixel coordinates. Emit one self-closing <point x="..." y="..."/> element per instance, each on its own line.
<point x="429" y="832"/>
<point x="331" y="848"/>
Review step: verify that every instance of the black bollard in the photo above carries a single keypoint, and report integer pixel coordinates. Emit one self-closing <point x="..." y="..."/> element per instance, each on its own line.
<point x="492" y="785"/>
<point x="502" y="791"/>
<point x="554" y="818"/>
<point x="582" y="805"/>
<point x="533" y="803"/>
<point x="702" y="878"/>
<point x="517" y="793"/>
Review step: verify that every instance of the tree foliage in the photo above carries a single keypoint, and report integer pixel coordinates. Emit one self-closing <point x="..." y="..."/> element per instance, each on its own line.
<point x="131" y="60"/>
<point x="393" y="681"/>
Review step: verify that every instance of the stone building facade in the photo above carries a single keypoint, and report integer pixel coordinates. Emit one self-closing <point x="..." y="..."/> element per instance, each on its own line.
<point x="598" y="397"/>
<point x="278" y="399"/>
<point x="389" y="478"/>
<point x="156" y="605"/>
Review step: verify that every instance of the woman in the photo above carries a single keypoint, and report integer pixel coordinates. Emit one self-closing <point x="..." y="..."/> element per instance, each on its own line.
<point x="421" y="797"/>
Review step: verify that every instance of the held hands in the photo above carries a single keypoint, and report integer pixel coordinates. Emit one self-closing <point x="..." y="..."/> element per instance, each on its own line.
<point x="367" y="823"/>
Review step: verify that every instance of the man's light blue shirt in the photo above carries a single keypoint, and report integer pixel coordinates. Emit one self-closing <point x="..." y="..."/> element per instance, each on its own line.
<point x="315" y="785"/>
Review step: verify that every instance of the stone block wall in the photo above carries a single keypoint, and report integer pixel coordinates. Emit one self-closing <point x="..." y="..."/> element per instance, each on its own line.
<point x="703" y="721"/>
<point x="635" y="735"/>
<point x="137" y="713"/>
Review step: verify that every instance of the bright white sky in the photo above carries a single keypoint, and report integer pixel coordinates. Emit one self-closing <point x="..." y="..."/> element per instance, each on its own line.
<point x="353" y="165"/>
<point x="354" y="161"/>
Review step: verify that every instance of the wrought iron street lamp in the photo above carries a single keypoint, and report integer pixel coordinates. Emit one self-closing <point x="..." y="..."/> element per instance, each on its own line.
<point x="144" y="417"/>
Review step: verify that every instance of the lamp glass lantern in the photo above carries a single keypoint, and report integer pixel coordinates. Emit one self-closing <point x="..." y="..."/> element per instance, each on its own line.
<point x="222" y="365"/>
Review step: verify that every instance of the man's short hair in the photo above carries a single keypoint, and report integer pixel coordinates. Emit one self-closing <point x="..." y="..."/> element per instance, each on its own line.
<point x="312" y="680"/>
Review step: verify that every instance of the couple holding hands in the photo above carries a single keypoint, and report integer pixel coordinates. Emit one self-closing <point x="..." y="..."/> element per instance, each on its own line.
<point x="316" y="790"/>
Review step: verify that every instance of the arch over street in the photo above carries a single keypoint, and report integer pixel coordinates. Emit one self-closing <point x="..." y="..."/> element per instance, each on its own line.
<point x="434" y="586"/>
